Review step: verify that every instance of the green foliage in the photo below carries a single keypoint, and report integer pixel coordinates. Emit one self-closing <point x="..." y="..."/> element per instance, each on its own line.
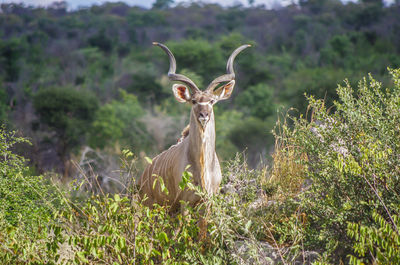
<point x="27" y="204"/>
<point x="101" y="41"/>
<point x="66" y="111"/>
<point x="337" y="51"/>
<point x="119" y="229"/>
<point x="114" y="229"/>
<point x="231" y="19"/>
<point x="3" y="106"/>
<point x="320" y="82"/>
<point x="119" y="121"/>
<point x="380" y="241"/>
<point x="162" y="4"/>
<point x="10" y="52"/>
<point x="250" y="133"/>
<point x="229" y="43"/>
<point x="19" y="247"/>
<point x="368" y="12"/>
<point x="198" y="56"/>
<point x="146" y="86"/>
<point x="197" y="79"/>
<point x="13" y="198"/>
<point x="226" y="121"/>
<point x="138" y="18"/>
<point x="258" y="101"/>
<point x="351" y="163"/>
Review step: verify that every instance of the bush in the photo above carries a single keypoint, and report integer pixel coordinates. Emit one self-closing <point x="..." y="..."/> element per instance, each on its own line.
<point x="27" y="204"/>
<point x="351" y="162"/>
<point x="380" y="240"/>
<point x="118" y="229"/>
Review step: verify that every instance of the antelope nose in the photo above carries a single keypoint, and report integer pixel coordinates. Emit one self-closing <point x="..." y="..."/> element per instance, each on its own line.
<point x="203" y="118"/>
<point x="203" y="115"/>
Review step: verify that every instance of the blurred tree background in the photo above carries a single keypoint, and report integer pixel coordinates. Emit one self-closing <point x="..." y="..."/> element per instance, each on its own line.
<point x="90" y="77"/>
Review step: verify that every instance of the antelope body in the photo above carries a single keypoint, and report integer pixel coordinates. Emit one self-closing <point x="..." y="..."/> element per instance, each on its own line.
<point x="196" y="148"/>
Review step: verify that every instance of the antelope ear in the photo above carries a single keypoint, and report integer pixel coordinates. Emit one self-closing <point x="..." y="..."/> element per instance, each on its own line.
<point x="181" y="92"/>
<point x="225" y="91"/>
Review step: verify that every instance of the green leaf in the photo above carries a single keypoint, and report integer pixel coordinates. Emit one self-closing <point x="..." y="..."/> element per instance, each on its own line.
<point x="148" y="160"/>
<point x="81" y="256"/>
<point x="154" y="183"/>
<point x="162" y="236"/>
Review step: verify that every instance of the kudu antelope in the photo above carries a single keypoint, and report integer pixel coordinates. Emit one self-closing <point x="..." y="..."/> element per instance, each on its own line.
<point x="197" y="145"/>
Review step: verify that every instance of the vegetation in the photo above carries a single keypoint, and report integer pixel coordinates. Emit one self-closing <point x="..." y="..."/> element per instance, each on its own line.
<point x="86" y="86"/>
<point x="66" y="112"/>
<point x="27" y="205"/>
<point x="350" y="159"/>
<point x="332" y="189"/>
<point x="94" y="52"/>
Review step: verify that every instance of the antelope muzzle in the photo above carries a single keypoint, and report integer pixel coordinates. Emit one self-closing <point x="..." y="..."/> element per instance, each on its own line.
<point x="203" y="118"/>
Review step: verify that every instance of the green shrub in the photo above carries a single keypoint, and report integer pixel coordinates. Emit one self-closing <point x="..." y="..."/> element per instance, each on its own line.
<point x="110" y="229"/>
<point x="351" y="162"/>
<point x="118" y="229"/>
<point x="379" y="242"/>
<point x="27" y="204"/>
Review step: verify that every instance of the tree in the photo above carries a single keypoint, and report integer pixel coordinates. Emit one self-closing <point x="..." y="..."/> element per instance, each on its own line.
<point x="320" y="82"/>
<point x="198" y="56"/>
<point x="257" y="101"/>
<point x="163" y="4"/>
<point x="119" y="121"/>
<point x="3" y="105"/>
<point x="252" y="134"/>
<point x="68" y="113"/>
<point x="10" y="53"/>
<point x="101" y="41"/>
<point x="146" y="86"/>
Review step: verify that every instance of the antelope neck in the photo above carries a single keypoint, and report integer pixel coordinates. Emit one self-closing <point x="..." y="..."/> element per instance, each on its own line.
<point x="202" y="150"/>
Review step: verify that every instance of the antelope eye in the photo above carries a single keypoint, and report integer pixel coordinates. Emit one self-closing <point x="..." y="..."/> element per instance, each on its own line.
<point x="194" y="101"/>
<point x="212" y="102"/>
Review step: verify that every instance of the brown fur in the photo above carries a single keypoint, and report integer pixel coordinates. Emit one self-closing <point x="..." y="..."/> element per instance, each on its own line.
<point x="184" y="133"/>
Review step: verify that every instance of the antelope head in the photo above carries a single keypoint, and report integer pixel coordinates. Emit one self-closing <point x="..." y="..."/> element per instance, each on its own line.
<point x="202" y="101"/>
